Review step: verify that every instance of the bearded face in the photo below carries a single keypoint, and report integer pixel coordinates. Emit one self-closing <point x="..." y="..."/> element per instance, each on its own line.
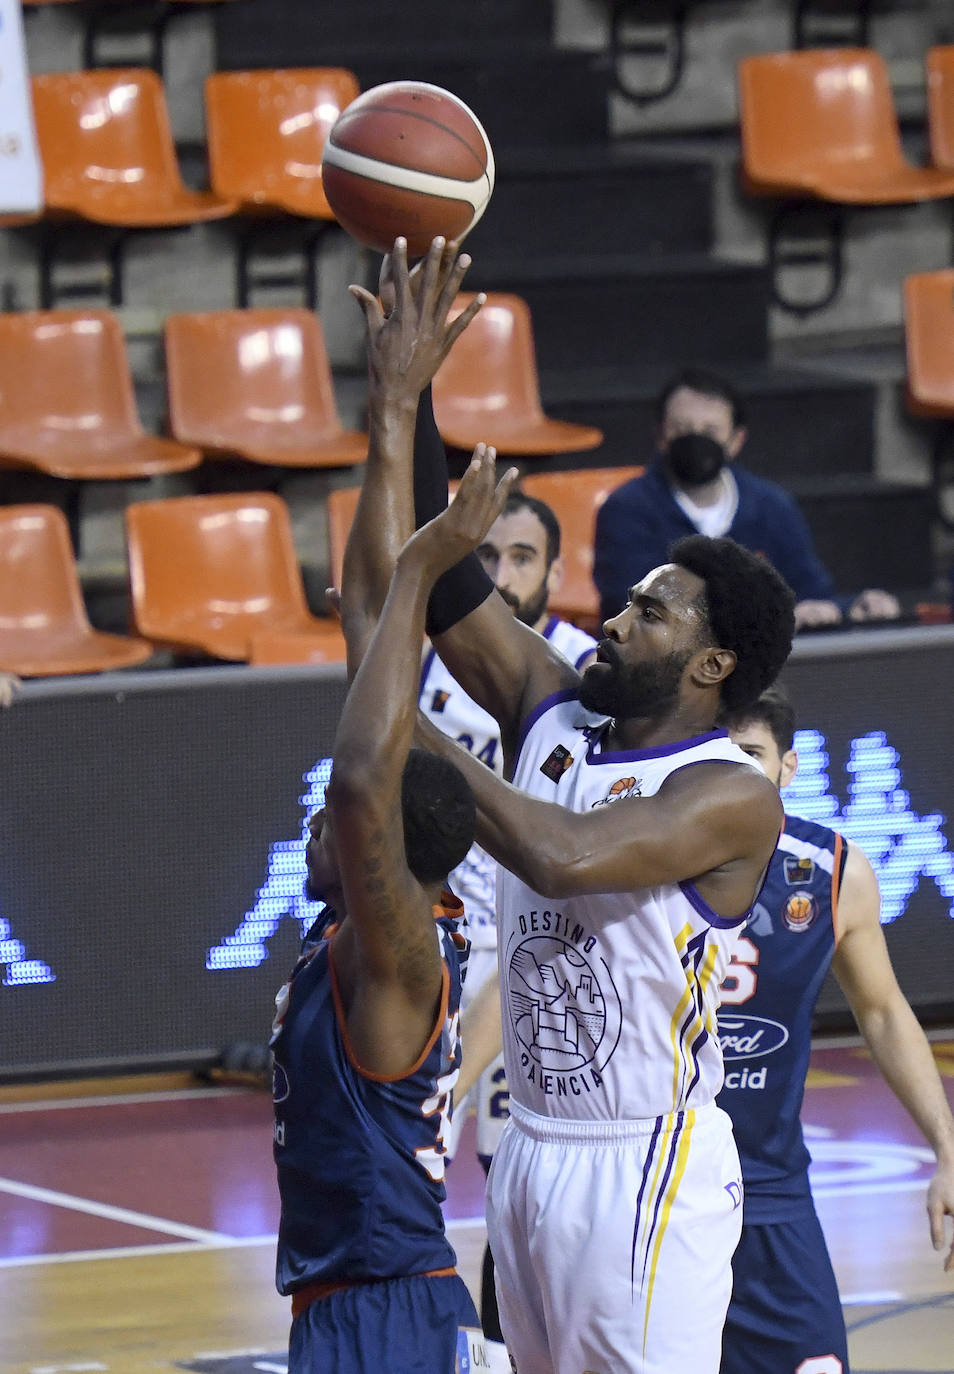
<point x="613" y="687"/>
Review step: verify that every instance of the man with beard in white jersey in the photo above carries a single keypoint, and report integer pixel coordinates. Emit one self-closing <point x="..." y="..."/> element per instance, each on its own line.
<point x="521" y="554"/>
<point x="636" y="838"/>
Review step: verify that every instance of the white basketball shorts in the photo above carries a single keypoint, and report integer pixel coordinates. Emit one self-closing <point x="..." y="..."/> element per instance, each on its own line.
<point x="613" y="1241"/>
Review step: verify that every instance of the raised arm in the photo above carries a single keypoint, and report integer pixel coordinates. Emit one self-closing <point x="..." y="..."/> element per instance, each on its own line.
<point x="502" y="664"/>
<point x="898" y="1044"/>
<point x="715" y="824"/>
<point x="414" y="307"/>
<point x="391" y="953"/>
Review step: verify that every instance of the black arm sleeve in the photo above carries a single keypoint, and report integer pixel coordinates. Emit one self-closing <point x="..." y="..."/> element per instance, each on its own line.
<point x="465" y="586"/>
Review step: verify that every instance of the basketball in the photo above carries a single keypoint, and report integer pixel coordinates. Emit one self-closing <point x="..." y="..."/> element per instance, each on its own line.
<point x="407" y="158"/>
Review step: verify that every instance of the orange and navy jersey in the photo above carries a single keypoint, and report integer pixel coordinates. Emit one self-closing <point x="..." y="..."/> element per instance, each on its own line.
<point x="360" y="1158"/>
<point x="765" y="1020"/>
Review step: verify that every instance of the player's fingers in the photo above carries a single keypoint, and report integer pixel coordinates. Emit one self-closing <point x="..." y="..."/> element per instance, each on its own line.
<point x="457" y="326"/>
<point x="451" y="283"/>
<point x="399" y="272"/>
<point x="432" y="270"/>
<point x="371" y="306"/>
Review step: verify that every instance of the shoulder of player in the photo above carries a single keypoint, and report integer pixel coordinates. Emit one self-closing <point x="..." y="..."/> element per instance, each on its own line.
<point x="734" y="791"/>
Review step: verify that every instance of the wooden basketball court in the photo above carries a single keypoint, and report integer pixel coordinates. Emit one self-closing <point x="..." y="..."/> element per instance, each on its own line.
<point x="137" y="1225"/>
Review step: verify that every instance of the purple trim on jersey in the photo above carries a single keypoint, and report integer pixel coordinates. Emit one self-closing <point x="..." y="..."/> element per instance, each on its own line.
<point x="583" y="656"/>
<point x="639" y="1197"/>
<point x="550" y="626"/>
<point x="677" y="1132"/>
<point x="703" y="909"/>
<point x="541" y="708"/>
<point x="660" y="752"/>
<point x="694" y="1050"/>
<point x="426" y="669"/>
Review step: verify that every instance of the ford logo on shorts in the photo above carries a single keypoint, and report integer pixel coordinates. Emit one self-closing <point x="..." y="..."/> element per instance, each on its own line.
<point x="749" y="1037"/>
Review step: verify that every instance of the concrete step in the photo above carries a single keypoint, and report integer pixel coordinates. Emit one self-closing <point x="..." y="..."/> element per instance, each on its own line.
<point x="645" y="310"/>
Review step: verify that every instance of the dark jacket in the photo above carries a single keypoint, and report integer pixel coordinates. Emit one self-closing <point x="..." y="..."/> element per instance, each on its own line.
<point x="640" y="520"/>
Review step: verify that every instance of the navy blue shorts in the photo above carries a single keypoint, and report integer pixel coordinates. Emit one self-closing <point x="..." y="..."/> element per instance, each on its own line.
<point x="406" y="1325"/>
<point x="785" y="1314"/>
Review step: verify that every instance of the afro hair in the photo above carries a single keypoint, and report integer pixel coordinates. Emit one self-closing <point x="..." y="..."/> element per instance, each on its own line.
<point x="750" y="609"/>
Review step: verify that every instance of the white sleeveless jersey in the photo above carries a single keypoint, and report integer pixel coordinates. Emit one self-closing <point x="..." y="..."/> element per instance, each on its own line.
<point x="456" y="714"/>
<point x="609" y="1000"/>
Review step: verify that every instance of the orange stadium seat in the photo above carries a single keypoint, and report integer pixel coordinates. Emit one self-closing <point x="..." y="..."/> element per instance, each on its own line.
<point x="488" y="389"/>
<point x="108" y="154"/>
<point x="929" y="342"/>
<point x="939" y="64"/>
<point x="326" y="645"/>
<point x="67" y="405"/>
<point x="257" y="384"/>
<point x="823" y="123"/>
<point x="266" y="131"/>
<point x="209" y="573"/>
<point x="575" y="497"/>
<point x="44" y="629"/>
<point x="341" y="505"/>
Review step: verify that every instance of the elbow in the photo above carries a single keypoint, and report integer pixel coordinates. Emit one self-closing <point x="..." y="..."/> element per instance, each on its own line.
<point x="552" y="875"/>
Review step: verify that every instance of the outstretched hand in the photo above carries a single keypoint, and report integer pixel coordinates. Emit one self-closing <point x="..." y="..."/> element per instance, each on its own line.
<point x="459" y="529"/>
<point x="940" y="1204"/>
<point x="409" y="334"/>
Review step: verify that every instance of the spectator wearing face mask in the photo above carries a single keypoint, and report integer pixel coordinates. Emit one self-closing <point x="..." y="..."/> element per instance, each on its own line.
<point x="695" y="486"/>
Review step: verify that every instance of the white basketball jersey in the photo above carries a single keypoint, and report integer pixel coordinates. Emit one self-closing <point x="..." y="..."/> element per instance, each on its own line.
<point x="457" y="715"/>
<point x="609" y="1000"/>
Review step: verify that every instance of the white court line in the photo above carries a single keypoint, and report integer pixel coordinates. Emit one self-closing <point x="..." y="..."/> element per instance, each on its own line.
<point x="882" y="1298"/>
<point x="55" y="1104"/>
<point x="135" y="1251"/>
<point x="224" y="1243"/>
<point x="103" y="1209"/>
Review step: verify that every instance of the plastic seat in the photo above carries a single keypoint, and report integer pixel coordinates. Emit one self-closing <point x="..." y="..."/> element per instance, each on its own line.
<point x="108" y="154"/>
<point x="67" y="405"/>
<point x="488" y="389"/>
<point x="326" y="645"/>
<point x="939" y="65"/>
<point x="257" y="383"/>
<point x="266" y="131"/>
<point x="929" y="342"/>
<point x="575" y="497"/>
<point x="44" y="629"/>
<point x="823" y="123"/>
<point x="209" y="573"/>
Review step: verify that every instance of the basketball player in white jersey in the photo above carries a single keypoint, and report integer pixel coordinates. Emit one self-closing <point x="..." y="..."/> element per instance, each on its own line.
<point x="636" y="838"/>
<point x="521" y="554"/>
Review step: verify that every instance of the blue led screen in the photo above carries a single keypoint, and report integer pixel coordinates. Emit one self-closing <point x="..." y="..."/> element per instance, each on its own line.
<point x="151" y="871"/>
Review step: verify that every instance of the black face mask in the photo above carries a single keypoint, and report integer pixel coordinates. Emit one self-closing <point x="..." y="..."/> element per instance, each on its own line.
<point x="695" y="459"/>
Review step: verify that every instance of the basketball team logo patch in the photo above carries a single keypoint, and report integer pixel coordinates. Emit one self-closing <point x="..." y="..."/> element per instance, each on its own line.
<point x="439" y="700"/>
<point x="556" y="765"/>
<point x="622" y="787"/>
<point x="800" y="911"/>
<point x="798" y="871"/>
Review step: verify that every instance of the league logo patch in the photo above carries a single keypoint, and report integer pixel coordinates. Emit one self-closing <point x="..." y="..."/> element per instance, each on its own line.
<point x="622" y="787"/>
<point x="798" y="870"/>
<point x="557" y="764"/>
<point x="800" y="911"/>
<point x="439" y="700"/>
